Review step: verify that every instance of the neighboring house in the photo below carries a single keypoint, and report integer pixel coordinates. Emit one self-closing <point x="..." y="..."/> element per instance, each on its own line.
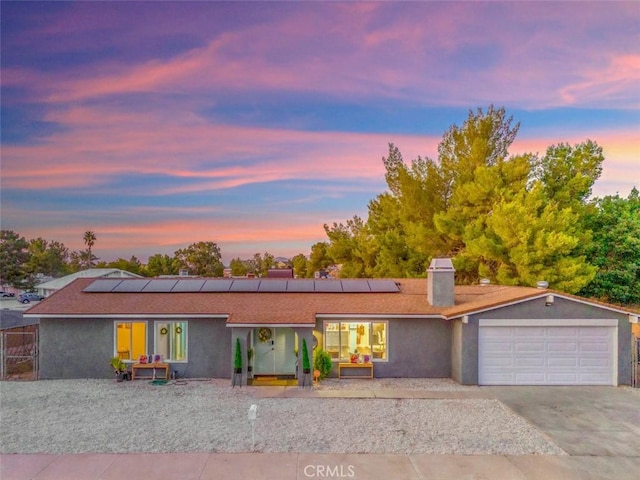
<point x="485" y="334"/>
<point x="47" y="288"/>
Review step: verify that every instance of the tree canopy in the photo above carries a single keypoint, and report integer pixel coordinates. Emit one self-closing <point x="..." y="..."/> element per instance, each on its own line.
<point x="515" y="219"/>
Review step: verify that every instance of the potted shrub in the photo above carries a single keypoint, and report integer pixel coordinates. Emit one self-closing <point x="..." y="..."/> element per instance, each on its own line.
<point x="237" y="364"/>
<point x="120" y="369"/>
<point x="306" y="364"/>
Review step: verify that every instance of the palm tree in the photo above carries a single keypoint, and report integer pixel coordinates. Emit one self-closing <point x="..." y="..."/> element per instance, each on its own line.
<point x="89" y="241"/>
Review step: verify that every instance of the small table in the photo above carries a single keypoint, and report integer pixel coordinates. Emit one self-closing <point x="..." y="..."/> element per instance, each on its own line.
<point x="361" y="366"/>
<point x="150" y="366"/>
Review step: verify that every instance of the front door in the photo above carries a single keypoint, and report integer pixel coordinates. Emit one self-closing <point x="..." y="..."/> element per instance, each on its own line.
<point x="274" y="351"/>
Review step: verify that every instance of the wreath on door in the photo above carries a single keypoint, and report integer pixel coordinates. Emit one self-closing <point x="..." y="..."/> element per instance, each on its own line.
<point x="264" y="334"/>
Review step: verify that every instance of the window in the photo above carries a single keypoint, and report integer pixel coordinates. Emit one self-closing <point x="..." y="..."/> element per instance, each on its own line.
<point x="362" y="339"/>
<point x="171" y="341"/>
<point x="131" y="340"/>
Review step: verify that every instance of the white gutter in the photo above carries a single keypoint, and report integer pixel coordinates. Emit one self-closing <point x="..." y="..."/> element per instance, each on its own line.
<point x="125" y="315"/>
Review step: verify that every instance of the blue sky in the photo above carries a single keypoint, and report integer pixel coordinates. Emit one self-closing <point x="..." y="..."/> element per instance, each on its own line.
<point x="251" y="124"/>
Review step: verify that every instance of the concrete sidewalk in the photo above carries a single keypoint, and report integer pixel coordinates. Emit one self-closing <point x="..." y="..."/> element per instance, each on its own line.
<point x="300" y="466"/>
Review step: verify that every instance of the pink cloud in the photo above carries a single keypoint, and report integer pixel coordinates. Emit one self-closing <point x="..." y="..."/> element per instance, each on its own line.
<point x="532" y="66"/>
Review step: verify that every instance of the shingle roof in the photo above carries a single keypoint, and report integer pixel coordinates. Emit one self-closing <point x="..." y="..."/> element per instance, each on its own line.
<point x="278" y="308"/>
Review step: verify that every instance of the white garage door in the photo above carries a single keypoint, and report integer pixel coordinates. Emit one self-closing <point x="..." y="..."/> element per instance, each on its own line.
<point x="546" y="355"/>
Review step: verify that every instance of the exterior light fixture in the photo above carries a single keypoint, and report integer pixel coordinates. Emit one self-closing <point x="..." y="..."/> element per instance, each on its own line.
<point x="465" y="319"/>
<point x="549" y="301"/>
<point x="633" y="319"/>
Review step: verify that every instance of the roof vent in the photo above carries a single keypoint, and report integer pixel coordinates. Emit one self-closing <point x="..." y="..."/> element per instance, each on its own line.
<point x="485" y="281"/>
<point x="542" y="284"/>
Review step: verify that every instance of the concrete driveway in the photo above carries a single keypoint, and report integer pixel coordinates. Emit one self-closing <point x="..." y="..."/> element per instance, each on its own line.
<point x="594" y="421"/>
<point x="599" y="427"/>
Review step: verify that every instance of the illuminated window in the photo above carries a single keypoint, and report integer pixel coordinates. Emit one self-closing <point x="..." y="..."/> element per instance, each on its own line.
<point x="361" y="340"/>
<point x="131" y="340"/>
<point x="171" y="341"/>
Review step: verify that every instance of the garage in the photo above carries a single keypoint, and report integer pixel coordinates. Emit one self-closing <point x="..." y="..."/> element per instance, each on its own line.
<point x="547" y="352"/>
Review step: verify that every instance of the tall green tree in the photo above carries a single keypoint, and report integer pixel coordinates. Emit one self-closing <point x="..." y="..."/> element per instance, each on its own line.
<point x="351" y="246"/>
<point x="14" y="255"/>
<point x="615" y="249"/>
<point x="260" y="264"/>
<point x="319" y="259"/>
<point x="160" y="264"/>
<point x="201" y="258"/>
<point x="47" y="258"/>
<point x="238" y="267"/>
<point x="299" y="264"/>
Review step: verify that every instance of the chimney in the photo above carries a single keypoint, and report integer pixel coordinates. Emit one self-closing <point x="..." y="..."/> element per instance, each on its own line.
<point x="440" y="283"/>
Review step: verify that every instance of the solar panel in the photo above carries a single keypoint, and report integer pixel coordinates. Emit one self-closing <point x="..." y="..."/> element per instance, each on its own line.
<point x="159" y="286"/>
<point x="383" y="286"/>
<point x="218" y="285"/>
<point x="130" y="286"/>
<point x="328" y="286"/>
<point x="301" y="286"/>
<point x="355" y="286"/>
<point x="188" y="286"/>
<point x="245" y="285"/>
<point x="103" y="285"/>
<point x="273" y="285"/>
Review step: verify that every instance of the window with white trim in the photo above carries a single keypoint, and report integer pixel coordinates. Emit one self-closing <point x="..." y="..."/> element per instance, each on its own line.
<point x="362" y="341"/>
<point x="171" y="341"/>
<point x="130" y="340"/>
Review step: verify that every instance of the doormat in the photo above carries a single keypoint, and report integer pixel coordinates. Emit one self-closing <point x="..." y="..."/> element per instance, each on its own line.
<point x="272" y="382"/>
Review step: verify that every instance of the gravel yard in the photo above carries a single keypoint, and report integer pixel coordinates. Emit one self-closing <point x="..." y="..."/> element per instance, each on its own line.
<point x="102" y="416"/>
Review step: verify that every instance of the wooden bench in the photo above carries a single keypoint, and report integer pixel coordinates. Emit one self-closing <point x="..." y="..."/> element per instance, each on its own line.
<point x="154" y="367"/>
<point x="348" y="367"/>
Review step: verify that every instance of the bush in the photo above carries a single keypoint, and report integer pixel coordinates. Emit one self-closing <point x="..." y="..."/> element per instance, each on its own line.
<point x="322" y="362"/>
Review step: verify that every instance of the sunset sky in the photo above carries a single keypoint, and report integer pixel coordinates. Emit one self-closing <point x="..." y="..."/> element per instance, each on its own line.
<point x="160" y="124"/>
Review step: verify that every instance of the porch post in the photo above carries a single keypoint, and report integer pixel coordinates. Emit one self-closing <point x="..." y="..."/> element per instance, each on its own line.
<point x="307" y="334"/>
<point x="243" y="334"/>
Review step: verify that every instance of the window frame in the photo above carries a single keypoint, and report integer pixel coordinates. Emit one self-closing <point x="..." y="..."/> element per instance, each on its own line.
<point x="371" y="322"/>
<point x="172" y="324"/>
<point x="115" y="339"/>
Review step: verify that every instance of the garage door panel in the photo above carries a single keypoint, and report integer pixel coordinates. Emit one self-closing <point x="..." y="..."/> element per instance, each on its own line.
<point x="530" y="378"/>
<point x="560" y="346"/>
<point x="595" y="362"/>
<point x="546" y="355"/>
<point x="499" y="362"/>
<point x="524" y="347"/>
<point x="562" y="362"/>
<point x="529" y="362"/>
<point x="591" y="347"/>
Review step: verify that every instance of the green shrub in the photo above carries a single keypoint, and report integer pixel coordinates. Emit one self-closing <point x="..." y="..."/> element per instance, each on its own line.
<point x="322" y="362"/>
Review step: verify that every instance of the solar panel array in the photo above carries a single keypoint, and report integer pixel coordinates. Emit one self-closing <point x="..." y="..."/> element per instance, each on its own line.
<point x="222" y="285"/>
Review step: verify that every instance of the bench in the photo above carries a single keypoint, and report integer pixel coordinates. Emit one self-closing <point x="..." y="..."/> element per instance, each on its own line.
<point x="355" y="370"/>
<point x="154" y="367"/>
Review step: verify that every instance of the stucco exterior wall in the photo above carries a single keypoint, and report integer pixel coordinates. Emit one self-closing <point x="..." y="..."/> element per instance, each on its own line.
<point x="417" y="348"/>
<point x="536" y="309"/>
<point x="82" y="348"/>
<point x="75" y="348"/>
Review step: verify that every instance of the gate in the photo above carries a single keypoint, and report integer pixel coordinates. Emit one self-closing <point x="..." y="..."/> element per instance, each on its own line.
<point x="19" y="354"/>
